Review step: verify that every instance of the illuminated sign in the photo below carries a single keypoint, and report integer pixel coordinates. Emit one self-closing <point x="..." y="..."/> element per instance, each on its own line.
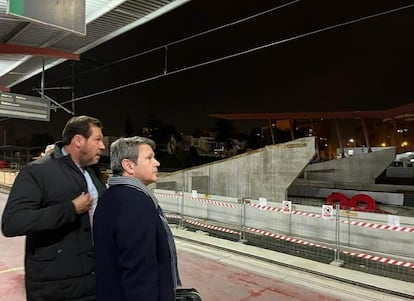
<point x="64" y="14"/>
<point x="24" y="107"/>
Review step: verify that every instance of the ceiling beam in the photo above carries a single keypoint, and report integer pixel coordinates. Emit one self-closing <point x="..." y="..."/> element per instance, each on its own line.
<point x="15" y="32"/>
<point x="397" y="112"/>
<point x="28" y="50"/>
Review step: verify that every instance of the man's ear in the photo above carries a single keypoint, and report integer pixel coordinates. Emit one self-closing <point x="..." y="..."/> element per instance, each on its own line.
<point x="127" y="166"/>
<point x="77" y="139"/>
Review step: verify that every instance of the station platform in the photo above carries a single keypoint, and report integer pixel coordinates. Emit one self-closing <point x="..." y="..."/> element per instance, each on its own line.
<point x="269" y="275"/>
<point x="231" y="271"/>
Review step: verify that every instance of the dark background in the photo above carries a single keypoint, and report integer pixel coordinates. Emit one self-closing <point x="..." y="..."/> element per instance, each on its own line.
<point x="360" y="66"/>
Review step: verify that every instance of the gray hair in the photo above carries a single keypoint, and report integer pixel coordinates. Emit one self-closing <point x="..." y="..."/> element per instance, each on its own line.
<point x="126" y="148"/>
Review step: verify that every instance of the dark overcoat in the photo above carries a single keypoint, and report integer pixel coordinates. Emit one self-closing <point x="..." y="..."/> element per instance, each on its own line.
<point x="59" y="259"/>
<point x="132" y="253"/>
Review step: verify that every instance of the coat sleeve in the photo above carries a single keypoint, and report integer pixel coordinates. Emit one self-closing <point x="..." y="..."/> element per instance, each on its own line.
<point x="136" y="240"/>
<point x="24" y="213"/>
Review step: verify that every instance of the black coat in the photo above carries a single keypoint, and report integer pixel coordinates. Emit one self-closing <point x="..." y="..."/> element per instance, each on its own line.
<point x="132" y="253"/>
<point x="59" y="259"/>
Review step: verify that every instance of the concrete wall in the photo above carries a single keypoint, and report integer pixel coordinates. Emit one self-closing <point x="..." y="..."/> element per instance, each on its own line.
<point x="266" y="172"/>
<point x="363" y="168"/>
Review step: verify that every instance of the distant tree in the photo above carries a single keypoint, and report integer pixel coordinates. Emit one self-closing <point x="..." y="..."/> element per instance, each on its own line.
<point x="129" y="130"/>
<point x="41" y="140"/>
<point x="152" y="121"/>
<point x="242" y="137"/>
<point x="22" y="141"/>
<point x="255" y="139"/>
<point x="197" y="133"/>
<point x="224" y="129"/>
<point x="153" y="124"/>
<point x="169" y="131"/>
<point x="282" y="136"/>
<point x="241" y="141"/>
<point x="161" y="133"/>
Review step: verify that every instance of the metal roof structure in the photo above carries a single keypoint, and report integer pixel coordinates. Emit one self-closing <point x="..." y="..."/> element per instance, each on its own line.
<point x="28" y="47"/>
<point x="401" y="112"/>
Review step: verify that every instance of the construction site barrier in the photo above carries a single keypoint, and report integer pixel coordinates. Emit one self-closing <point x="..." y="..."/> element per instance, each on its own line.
<point x="239" y="217"/>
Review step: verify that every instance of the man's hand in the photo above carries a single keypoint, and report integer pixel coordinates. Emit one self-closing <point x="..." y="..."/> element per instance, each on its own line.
<point x="82" y="203"/>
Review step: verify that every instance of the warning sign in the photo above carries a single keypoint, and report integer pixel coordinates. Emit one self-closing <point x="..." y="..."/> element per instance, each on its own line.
<point x="263" y="201"/>
<point x="287" y="207"/>
<point x="394" y="221"/>
<point x="327" y="211"/>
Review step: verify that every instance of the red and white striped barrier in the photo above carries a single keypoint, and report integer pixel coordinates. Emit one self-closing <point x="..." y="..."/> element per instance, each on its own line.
<point x="365" y="256"/>
<point x="302" y="242"/>
<point x="275" y="209"/>
<point x="286" y="238"/>
<point x="176" y="216"/>
<point x="381" y="259"/>
<point x="265" y="207"/>
<point x="203" y="200"/>
<point x="222" y="229"/>
<point x="353" y="223"/>
<point x="379" y="226"/>
<point x="309" y="214"/>
<point x="208" y="201"/>
<point x="168" y="195"/>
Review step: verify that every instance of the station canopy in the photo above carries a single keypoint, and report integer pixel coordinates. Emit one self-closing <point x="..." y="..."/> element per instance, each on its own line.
<point x="27" y="33"/>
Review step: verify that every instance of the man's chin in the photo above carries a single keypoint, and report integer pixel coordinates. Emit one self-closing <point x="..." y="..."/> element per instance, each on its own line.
<point x="152" y="180"/>
<point x="94" y="161"/>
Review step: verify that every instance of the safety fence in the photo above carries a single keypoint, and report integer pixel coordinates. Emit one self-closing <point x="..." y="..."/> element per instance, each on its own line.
<point x="330" y="236"/>
<point x="7" y="177"/>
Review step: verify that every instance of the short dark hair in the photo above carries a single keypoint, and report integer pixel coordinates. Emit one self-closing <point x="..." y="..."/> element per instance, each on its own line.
<point x="79" y="125"/>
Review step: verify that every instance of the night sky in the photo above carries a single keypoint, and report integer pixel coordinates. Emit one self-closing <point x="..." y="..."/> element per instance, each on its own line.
<point x="358" y="66"/>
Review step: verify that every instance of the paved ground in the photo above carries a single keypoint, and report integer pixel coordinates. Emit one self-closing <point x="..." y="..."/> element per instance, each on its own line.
<point x="214" y="279"/>
<point x="200" y="268"/>
<point x="221" y="275"/>
<point x="219" y="281"/>
<point x="11" y="268"/>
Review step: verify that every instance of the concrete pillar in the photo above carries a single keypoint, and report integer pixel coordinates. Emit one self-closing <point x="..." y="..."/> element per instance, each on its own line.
<point x="339" y="137"/>
<point x="271" y="130"/>
<point x="366" y="134"/>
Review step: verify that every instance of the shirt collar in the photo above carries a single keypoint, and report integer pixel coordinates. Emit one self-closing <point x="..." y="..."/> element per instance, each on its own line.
<point x="82" y="169"/>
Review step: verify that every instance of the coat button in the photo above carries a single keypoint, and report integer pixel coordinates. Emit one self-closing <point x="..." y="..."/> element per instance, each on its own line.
<point x="90" y="254"/>
<point x="59" y="251"/>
